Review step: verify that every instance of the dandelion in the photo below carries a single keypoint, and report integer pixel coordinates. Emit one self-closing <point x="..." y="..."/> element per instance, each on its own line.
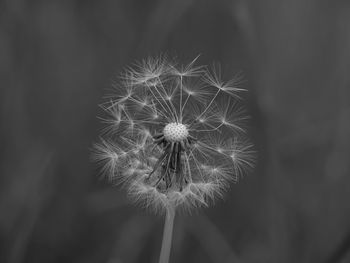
<point x="174" y="137"/>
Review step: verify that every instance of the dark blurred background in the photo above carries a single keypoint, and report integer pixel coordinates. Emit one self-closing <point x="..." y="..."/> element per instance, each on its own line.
<point x="57" y="61"/>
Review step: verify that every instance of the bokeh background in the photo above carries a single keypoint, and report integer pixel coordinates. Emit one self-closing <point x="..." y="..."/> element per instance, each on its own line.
<point x="57" y="61"/>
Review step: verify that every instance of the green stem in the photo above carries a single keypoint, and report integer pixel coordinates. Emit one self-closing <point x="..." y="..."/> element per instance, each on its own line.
<point x="167" y="235"/>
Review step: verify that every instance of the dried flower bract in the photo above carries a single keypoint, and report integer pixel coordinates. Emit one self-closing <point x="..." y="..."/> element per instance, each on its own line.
<point x="174" y="134"/>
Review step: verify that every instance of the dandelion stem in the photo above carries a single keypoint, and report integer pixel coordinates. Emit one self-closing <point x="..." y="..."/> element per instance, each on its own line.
<point x="167" y="235"/>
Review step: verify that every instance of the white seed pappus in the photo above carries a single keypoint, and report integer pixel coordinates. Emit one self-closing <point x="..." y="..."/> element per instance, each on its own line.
<point x="174" y="134"/>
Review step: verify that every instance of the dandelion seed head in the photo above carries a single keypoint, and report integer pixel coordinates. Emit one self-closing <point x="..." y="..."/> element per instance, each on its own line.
<point x="174" y="135"/>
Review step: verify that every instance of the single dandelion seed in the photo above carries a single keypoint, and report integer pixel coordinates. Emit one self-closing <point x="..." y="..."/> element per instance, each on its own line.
<point x="174" y="137"/>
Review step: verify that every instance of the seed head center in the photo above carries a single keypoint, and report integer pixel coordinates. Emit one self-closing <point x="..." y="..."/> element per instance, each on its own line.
<point x="175" y="132"/>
